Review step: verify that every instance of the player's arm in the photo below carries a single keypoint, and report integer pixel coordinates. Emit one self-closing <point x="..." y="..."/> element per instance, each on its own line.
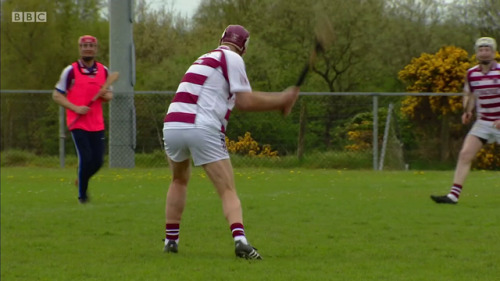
<point x="59" y="93"/>
<point x="106" y="94"/>
<point x="267" y="101"/>
<point x="61" y="99"/>
<point x="468" y="103"/>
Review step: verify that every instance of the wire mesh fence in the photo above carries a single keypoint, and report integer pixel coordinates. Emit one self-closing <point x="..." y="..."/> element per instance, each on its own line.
<point x="324" y="130"/>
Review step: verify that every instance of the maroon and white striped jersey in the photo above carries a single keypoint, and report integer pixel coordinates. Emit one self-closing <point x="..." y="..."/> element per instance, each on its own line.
<point x="206" y="95"/>
<point x="486" y="89"/>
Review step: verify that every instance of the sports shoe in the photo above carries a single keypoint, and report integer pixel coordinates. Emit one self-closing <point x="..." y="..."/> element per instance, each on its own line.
<point x="83" y="200"/>
<point x="442" y="199"/>
<point x="170" y="247"/>
<point x="246" y="251"/>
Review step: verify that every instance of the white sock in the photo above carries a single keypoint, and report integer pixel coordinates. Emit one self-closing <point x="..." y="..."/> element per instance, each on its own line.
<point x="452" y="197"/>
<point x="242" y="239"/>
<point x="176" y="241"/>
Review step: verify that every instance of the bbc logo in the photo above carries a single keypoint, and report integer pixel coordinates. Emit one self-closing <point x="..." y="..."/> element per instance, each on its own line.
<point x="29" y="16"/>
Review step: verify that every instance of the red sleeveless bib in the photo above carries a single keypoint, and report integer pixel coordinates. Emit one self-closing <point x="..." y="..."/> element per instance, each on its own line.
<point x="82" y="92"/>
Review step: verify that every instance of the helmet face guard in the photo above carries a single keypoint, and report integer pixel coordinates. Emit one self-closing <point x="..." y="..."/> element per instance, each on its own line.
<point x="87" y="39"/>
<point x="88" y="47"/>
<point x="237" y="36"/>
<point x="486" y="42"/>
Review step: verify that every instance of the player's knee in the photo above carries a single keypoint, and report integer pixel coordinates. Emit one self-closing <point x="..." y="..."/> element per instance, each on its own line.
<point x="182" y="181"/>
<point x="466" y="155"/>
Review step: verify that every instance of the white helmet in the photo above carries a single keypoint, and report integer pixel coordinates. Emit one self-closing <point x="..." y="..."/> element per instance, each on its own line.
<point x="486" y="42"/>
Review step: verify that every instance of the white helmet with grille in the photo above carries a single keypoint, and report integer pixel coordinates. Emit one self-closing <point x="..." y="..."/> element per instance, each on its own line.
<point x="486" y="42"/>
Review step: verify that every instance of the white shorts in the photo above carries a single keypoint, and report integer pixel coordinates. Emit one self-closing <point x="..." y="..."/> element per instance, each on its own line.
<point x="205" y="146"/>
<point x="485" y="130"/>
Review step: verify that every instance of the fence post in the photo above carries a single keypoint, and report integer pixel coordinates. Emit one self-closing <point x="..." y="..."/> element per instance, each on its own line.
<point x="62" y="136"/>
<point x="122" y="128"/>
<point x="302" y="130"/>
<point x="386" y="137"/>
<point x="375" y="131"/>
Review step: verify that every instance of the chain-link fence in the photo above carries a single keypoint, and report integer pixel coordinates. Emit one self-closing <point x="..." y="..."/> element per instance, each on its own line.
<point x="324" y="130"/>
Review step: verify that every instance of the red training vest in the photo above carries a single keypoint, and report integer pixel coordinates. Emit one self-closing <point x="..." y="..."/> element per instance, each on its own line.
<point x="84" y="89"/>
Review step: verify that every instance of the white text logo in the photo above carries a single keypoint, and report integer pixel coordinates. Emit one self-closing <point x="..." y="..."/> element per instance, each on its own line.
<point x="29" y="16"/>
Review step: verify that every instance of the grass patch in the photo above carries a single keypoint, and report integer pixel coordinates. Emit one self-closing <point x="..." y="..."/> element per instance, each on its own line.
<point x="307" y="224"/>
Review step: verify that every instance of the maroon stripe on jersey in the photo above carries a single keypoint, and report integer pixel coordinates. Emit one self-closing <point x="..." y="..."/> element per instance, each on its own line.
<point x="224" y="71"/>
<point x="180" y="117"/>
<point x="223" y="129"/>
<point x="223" y="65"/>
<point x="213" y="63"/>
<point x="491" y="114"/>
<point x="228" y="112"/>
<point x="185" y="97"/>
<point x="482" y="87"/>
<point x="489" y="97"/>
<point x="194" y="78"/>
<point x="490" y="105"/>
<point x="489" y="119"/>
<point x="483" y="76"/>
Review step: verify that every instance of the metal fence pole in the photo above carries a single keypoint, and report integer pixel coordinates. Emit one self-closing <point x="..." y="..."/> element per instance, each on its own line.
<point x="386" y="137"/>
<point x="375" y="131"/>
<point x="62" y="136"/>
<point x="122" y="109"/>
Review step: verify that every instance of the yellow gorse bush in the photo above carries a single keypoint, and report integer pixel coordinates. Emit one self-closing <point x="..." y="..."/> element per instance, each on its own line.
<point x="442" y="72"/>
<point x="488" y="157"/>
<point x="360" y="137"/>
<point x="247" y="146"/>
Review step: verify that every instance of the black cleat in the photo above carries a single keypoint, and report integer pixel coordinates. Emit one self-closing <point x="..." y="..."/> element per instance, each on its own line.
<point x="246" y="251"/>
<point x="442" y="199"/>
<point x="170" y="247"/>
<point x="84" y="200"/>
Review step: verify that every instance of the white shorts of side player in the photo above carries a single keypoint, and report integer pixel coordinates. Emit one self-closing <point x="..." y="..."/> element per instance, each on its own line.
<point x="485" y="130"/>
<point x="203" y="145"/>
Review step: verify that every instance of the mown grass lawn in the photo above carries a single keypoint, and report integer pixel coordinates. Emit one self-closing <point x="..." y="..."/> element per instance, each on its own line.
<point x="307" y="225"/>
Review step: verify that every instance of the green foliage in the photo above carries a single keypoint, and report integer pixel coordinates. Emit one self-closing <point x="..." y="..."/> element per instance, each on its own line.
<point x="373" y="40"/>
<point x="16" y="158"/>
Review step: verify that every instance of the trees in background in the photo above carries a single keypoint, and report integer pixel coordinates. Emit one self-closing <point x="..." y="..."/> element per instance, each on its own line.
<point x="374" y="40"/>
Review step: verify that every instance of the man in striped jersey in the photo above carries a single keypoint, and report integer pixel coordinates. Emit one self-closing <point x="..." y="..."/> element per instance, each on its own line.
<point x="195" y="126"/>
<point x="482" y="89"/>
<point x="79" y="83"/>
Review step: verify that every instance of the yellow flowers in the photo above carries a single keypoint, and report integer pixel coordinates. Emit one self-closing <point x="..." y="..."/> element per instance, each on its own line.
<point x="248" y="146"/>
<point x="442" y="72"/>
<point x="488" y="157"/>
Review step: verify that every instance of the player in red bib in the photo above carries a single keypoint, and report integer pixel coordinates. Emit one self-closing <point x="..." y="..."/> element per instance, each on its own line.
<point x="79" y="83"/>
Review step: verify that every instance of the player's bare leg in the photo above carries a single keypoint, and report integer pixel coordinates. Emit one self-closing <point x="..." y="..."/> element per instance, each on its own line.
<point x="222" y="176"/>
<point x="175" y="202"/>
<point x="470" y="147"/>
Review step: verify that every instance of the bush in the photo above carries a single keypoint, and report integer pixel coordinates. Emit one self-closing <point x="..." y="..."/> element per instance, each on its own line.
<point x="17" y="158"/>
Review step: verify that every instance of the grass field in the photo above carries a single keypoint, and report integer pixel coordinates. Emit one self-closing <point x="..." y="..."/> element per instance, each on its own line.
<point x="307" y="225"/>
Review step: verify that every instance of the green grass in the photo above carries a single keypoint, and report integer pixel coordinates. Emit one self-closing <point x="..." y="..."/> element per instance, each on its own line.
<point x="307" y="224"/>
